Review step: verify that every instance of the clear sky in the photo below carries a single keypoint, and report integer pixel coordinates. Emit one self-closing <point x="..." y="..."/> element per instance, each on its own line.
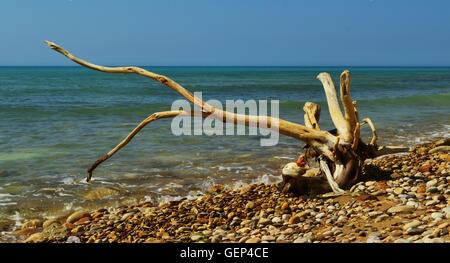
<point x="228" y="32"/>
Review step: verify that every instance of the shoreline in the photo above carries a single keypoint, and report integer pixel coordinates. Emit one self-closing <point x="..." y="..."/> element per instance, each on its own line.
<point x="410" y="202"/>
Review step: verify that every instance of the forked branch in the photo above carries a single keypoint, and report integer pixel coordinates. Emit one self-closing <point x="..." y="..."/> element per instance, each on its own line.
<point x="316" y="138"/>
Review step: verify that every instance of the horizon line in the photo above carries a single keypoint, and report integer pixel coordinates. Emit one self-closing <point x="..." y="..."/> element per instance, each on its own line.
<point x="251" y="66"/>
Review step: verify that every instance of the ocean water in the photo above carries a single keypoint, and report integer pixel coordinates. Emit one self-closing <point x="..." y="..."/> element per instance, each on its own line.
<point x="55" y="121"/>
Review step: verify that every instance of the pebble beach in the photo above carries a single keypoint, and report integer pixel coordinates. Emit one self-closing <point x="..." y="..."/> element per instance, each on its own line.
<point x="407" y="200"/>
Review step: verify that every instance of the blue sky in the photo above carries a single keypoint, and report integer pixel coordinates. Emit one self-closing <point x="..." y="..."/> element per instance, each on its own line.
<point x="224" y="33"/>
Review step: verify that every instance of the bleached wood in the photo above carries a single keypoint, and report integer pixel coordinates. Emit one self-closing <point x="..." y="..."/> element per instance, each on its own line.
<point x="318" y="139"/>
<point x="349" y="108"/>
<point x="374" y="139"/>
<point x="312" y="115"/>
<point x="340" y="153"/>
<point x="333" y="107"/>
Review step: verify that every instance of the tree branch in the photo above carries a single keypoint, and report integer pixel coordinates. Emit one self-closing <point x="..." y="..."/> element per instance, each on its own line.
<point x="333" y="107"/>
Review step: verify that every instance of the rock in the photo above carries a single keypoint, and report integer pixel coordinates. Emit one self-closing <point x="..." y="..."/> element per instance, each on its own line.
<point x="302" y="240"/>
<point x="250" y="205"/>
<point x="243" y="239"/>
<point x="432" y="190"/>
<point x="412" y="224"/>
<point x="76" y="216"/>
<point x="216" y="239"/>
<point x="421" y="189"/>
<point x="276" y="220"/>
<point x="268" y="238"/>
<point x="35" y="238"/>
<point x="263" y="221"/>
<point x="244" y="230"/>
<point x="73" y="239"/>
<point x="126" y="216"/>
<point x="381" y="218"/>
<point x="33" y="223"/>
<point x="401" y="209"/>
<point x="341" y="219"/>
<point x="431" y="183"/>
<point x="287" y="231"/>
<point x="285" y="217"/>
<point x="285" y="206"/>
<point x="412" y="203"/>
<point x="395" y="175"/>
<point x="292" y="169"/>
<point x="196" y="237"/>
<point x="373" y="238"/>
<point x="253" y="240"/>
<point x="436" y="215"/>
<point x="396" y="233"/>
<point x="295" y="219"/>
<point x="402" y="240"/>
<point x="432" y="202"/>
<point x="82" y="221"/>
<point x="231" y="215"/>
<point x="433" y="240"/>
<point x="444" y="157"/>
<point x="415" y="231"/>
<point x="425" y="168"/>
<point x="281" y="239"/>
<point x="49" y="222"/>
<point x="443" y="225"/>
<point x="320" y="215"/>
<point x="217" y="188"/>
<point x="442" y="142"/>
<point x="444" y="148"/>
<point x="399" y="190"/>
<point x="100" y="193"/>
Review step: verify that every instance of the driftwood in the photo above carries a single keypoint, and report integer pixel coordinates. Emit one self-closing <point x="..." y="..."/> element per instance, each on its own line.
<point x="333" y="159"/>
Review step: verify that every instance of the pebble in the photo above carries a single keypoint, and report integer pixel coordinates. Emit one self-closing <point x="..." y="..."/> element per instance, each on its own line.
<point x="73" y="239"/>
<point x="35" y="238"/>
<point x="33" y="223"/>
<point x="264" y="221"/>
<point x="432" y="190"/>
<point x="399" y="190"/>
<point x="415" y="231"/>
<point x="250" y="205"/>
<point x="381" y="218"/>
<point x="76" y="216"/>
<point x="302" y="240"/>
<point x="49" y="222"/>
<point x="431" y="183"/>
<point x="436" y="215"/>
<point x="294" y="220"/>
<point x="320" y="215"/>
<point x="253" y="240"/>
<point x="402" y="240"/>
<point x="268" y="238"/>
<point x="412" y="224"/>
<point x="196" y="237"/>
<point x="276" y="220"/>
<point x="414" y="205"/>
<point x="401" y="209"/>
<point x="446" y="210"/>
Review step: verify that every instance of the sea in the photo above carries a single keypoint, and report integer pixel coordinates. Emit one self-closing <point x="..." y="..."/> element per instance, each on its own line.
<point x="56" y="121"/>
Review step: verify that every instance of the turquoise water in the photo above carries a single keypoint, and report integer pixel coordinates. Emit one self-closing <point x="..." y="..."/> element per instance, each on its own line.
<point x="55" y="121"/>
